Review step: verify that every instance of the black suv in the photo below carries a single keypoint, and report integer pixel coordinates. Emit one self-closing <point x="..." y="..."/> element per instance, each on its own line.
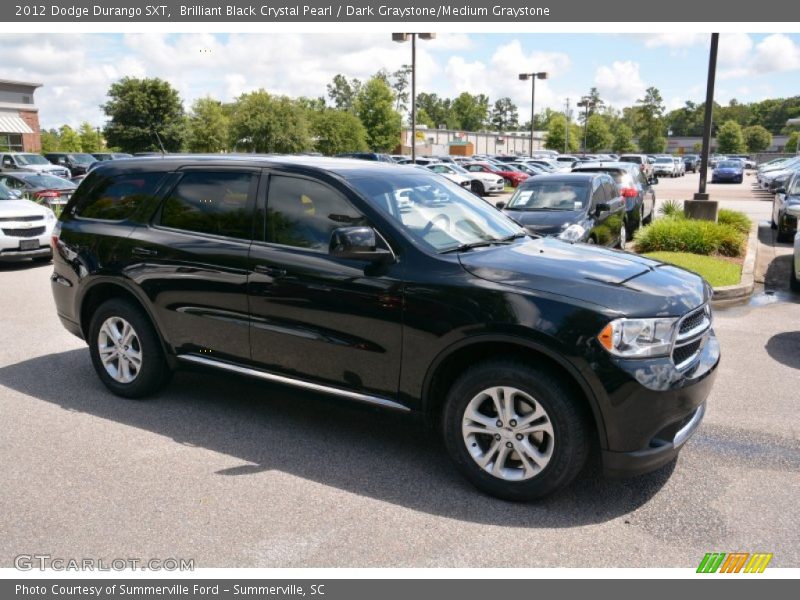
<point x="390" y="286"/>
<point x="78" y="163"/>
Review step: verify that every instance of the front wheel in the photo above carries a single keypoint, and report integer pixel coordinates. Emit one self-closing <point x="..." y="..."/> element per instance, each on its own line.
<point x="125" y="349"/>
<point x="477" y="188"/>
<point x="514" y="430"/>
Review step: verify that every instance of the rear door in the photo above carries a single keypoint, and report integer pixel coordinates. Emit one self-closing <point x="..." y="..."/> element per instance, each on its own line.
<point x="191" y="260"/>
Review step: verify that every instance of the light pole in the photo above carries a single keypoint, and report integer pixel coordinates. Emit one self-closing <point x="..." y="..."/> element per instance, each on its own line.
<point x="404" y="37"/>
<point x="587" y="102"/>
<point x="568" y="114"/>
<point x="533" y="77"/>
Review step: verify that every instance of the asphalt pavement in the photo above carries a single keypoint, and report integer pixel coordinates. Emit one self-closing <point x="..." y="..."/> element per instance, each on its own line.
<point x="235" y="473"/>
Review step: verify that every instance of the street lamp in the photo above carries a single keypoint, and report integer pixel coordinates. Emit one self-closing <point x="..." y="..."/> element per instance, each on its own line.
<point x="533" y="77"/>
<point x="404" y="37"/>
<point x="587" y="102"/>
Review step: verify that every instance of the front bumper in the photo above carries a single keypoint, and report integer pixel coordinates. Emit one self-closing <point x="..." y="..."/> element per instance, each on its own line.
<point x="663" y="171"/>
<point x="10" y="247"/>
<point x="655" y="410"/>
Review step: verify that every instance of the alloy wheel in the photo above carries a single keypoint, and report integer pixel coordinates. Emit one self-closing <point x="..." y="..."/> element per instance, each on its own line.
<point x="120" y="349"/>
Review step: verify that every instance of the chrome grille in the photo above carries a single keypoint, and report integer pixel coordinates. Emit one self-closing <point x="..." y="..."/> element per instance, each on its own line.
<point x="24" y="233"/>
<point x="691" y="337"/>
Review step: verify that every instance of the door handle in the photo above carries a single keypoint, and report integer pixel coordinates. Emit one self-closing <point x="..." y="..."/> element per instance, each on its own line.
<point x="271" y="271"/>
<point x="139" y="251"/>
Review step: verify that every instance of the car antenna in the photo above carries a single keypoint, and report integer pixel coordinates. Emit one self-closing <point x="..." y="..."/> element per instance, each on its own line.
<point x="155" y="132"/>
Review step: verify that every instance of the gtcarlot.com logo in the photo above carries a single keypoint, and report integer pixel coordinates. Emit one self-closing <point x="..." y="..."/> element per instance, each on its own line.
<point x="42" y="562"/>
<point x="734" y="562"/>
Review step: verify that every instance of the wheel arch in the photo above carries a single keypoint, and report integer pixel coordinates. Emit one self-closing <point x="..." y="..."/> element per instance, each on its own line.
<point x="102" y="289"/>
<point x="445" y="368"/>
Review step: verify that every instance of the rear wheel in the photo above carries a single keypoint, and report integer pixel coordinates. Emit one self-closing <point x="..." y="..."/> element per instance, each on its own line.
<point x="125" y="349"/>
<point x="514" y="431"/>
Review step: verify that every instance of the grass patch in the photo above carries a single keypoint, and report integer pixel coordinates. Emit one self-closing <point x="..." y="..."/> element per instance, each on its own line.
<point x="716" y="271"/>
<point x="508" y="189"/>
<point x="679" y="234"/>
<point x="737" y="220"/>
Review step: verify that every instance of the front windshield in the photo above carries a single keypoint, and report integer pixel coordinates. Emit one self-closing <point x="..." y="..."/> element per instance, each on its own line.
<point x="730" y="164"/>
<point x="6" y="193"/>
<point x="459" y="169"/>
<point x="31" y="159"/>
<point x="663" y="160"/>
<point x="550" y="195"/>
<point x="434" y="211"/>
<point x="83" y="159"/>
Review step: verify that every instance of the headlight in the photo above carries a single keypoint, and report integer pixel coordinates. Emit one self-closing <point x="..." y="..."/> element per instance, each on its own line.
<point x="636" y="338"/>
<point x="572" y="233"/>
<point x="50" y="216"/>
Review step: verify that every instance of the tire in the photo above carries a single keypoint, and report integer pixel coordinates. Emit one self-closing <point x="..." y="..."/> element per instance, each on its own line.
<point x="794" y="283"/>
<point x="477" y="188"/>
<point x="561" y="444"/>
<point x="152" y="371"/>
<point x="623" y="236"/>
<point x="784" y="237"/>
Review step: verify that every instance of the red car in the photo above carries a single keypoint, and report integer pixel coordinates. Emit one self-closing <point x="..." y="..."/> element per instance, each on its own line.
<point x="512" y="177"/>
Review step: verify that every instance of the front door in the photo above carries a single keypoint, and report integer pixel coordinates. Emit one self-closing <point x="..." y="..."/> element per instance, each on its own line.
<point x="333" y="321"/>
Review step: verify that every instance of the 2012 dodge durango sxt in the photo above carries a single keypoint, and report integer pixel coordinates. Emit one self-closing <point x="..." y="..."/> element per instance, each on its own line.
<point x="388" y="285"/>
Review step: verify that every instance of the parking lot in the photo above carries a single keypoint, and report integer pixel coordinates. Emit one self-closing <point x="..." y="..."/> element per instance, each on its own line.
<point x="231" y="472"/>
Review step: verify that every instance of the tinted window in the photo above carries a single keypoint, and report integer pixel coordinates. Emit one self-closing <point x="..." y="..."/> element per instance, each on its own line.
<point x="116" y="197"/>
<point x="550" y="195"/>
<point x="304" y="213"/>
<point x="210" y="202"/>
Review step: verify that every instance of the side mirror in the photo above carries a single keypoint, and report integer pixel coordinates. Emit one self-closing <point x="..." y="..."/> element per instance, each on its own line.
<point x="780" y="190"/>
<point x="602" y="208"/>
<point x="500" y="205"/>
<point x="357" y="243"/>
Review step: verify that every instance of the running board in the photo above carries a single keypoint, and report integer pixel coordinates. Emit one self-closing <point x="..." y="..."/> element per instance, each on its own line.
<point x="316" y="387"/>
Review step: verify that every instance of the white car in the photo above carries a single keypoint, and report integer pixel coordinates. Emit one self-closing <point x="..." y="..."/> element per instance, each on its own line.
<point x="481" y="184"/>
<point x="448" y="171"/>
<point x="794" y="277"/>
<point x="28" y="161"/>
<point x="25" y="228"/>
<point x="680" y="166"/>
<point x="664" y="166"/>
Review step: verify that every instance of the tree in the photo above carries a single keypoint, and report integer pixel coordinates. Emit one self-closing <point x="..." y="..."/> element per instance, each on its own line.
<point x="343" y="92"/>
<point x="729" y="138"/>
<point x="437" y="109"/>
<point x="756" y="138"/>
<point x="336" y="131"/>
<point x="505" y="115"/>
<point x="556" y="134"/>
<point x="50" y="140"/>
<point x="399" y="85"/>
<point x="209" y="126"/>
<point x="90" y="138"/>
<point x="423" y="118"/>
<point x="375" y="107"/>
<point x="470" y="112"/>
<point x="650" y="122"/>
<point x="262" y="122"/>
<point x="623" y="139"/>
<point x="598" y="134"/>
<point x="591" y="104"/>
<point x="791" y="143"/>
<point x="142" y="111"/>
<point x="69" y="140"/>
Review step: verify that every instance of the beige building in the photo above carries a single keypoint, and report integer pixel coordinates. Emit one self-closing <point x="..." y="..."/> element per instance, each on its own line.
<point x="19" y="117"/>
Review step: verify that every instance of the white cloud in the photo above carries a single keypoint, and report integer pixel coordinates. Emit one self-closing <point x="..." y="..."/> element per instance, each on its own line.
<point x="739" y="57"/>
<point x="620" y="83"/>
<point x="673" y="40"/>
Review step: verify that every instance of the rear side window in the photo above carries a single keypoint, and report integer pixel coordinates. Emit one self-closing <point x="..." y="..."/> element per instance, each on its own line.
<point x="116" y="197"/>
<point x="211" y="202"/>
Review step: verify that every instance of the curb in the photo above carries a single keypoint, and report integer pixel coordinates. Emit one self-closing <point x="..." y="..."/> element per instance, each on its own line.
<point x="744" y="288"/>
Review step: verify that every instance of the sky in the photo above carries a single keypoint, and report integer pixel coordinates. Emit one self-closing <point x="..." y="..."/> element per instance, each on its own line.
<point x="77" y="69"/>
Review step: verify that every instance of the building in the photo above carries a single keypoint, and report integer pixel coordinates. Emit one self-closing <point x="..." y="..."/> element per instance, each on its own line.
<point x="19" y="117"/>
<point x="450" y="141"/>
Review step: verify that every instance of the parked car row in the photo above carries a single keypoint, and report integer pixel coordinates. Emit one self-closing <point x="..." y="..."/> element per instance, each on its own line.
<point x="62" y="164"/>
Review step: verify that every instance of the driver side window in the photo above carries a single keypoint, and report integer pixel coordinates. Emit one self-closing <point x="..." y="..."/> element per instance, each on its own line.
<point x="303" y="213"/>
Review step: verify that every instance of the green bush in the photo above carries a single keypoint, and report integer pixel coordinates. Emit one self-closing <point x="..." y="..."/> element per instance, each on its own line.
<point x="677" y="234"/>
<point x="735" y="219"/>
<point x="671" y="208"/>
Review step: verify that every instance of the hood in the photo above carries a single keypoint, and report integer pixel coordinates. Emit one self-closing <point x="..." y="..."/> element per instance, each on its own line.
<point x="545" y="222"/>
<point x="625" y="283"/>
<point x="45" y="168"/>
<point x="21" y="208"/>
<point x="490" y="177"/>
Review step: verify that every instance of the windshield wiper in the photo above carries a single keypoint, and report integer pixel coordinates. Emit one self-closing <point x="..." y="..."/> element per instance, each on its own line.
<point x="471" y="245"/>
<point x="513" y="236"/>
